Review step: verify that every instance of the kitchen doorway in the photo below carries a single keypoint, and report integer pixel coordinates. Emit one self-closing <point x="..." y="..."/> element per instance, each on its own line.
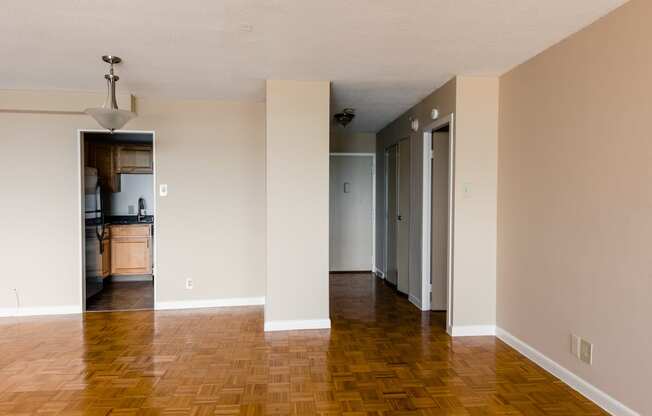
<point x="118" y="217"/>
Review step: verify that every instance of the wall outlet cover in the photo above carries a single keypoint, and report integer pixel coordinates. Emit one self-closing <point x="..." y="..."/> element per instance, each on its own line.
<point x="189" y="284"/>
<point x="586" y="352"/>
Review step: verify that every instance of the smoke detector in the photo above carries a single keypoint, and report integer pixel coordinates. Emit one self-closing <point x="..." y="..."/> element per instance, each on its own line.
<point x="345" y="116"/>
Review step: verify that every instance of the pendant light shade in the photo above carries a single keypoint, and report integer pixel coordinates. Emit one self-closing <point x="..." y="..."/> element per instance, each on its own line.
<point x="109" y="115"/>
<point x="110" y="119"/>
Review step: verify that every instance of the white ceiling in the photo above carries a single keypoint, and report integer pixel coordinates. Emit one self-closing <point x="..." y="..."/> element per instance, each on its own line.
<point x="383" y="56"/>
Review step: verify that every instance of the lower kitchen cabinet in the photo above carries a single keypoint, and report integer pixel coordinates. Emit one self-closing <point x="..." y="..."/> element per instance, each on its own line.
<point x="131" y="248"/>
<point x="105" y="263"/>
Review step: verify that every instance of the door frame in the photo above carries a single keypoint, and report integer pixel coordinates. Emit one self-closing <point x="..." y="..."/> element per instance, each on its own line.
<point x="81" y="208"/>
<point x="373" y="201"/>
<point x="426" y="231"/>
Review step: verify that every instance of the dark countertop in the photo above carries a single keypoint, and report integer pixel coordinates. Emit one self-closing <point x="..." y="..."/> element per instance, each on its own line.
<point x="129" y="219"/>
<point x="122" y="220"/>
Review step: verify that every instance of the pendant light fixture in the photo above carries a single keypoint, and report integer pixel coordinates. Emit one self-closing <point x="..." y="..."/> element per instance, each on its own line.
<point x="109" y="115"/>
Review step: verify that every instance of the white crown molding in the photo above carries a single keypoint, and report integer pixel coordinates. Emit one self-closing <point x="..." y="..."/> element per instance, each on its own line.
<point x="292" y="325"/>
<point x="210" y="303"/>
<point x="591" y="392"/>
<point x="41" y="311"/>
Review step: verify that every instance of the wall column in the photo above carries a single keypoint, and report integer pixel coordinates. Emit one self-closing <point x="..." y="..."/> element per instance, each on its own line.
<point x="297" y="173"/>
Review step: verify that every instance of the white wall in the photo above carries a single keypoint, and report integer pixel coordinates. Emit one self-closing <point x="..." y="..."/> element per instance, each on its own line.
<point x="343" y="140"/>
<point x="132" y="187"/>
<point x="210" y="153"/>
<point x="297" y="203"/>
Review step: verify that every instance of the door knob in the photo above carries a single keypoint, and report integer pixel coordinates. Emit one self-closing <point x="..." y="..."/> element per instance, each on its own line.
<point x="400" y="218"/>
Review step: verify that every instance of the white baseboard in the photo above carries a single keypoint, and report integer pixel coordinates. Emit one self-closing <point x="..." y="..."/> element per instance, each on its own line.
<point x="41" y="311"/>
<point x="472" y="330"/>
<point x="210" y="303"/>
<point x="416" y="302"/>
<point x="297" y="324"/>
<point x="591" y="392"/>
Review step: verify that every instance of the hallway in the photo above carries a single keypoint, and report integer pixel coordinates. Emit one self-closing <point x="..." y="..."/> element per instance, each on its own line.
<point x="382" y="356"/>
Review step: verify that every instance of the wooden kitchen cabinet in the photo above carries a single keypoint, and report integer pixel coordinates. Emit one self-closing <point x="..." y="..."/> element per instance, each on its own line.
<point x="134" y="159"/>
<point x="105" y="162"/>
<point x="106" y="258"/>
<point x="131" y="247"/>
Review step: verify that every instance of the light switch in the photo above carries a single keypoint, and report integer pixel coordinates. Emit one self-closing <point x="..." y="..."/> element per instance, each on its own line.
<point x="163" y="190"/>
<point x="347" y="187"/>
<point x="467" y="190"/>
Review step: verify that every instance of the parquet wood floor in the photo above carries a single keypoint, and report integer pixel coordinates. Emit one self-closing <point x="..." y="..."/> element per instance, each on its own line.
<point x="382" y="357"/>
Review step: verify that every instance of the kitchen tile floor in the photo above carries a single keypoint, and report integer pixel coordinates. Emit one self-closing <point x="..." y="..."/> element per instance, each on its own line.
<point x="121" y="296"/>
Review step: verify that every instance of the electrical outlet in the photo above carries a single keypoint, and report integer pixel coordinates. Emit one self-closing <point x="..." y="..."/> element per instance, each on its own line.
<point x="586" y="352"/>
<point x="189" y="284"/>
<point x="575" y="345"/>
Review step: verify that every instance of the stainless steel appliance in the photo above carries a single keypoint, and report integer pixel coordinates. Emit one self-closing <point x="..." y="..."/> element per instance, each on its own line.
<point x="95" y="207"/>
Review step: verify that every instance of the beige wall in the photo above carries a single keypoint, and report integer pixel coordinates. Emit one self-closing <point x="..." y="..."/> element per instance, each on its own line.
<point x="443" y="99"/>
<point x="476" y="158"/>
<point x="575" y="224"/>
<point x="297" y="202"/>
<point x="343" y="141"/>
<point x="474" y="100"/>
<point x="211" y="227"/>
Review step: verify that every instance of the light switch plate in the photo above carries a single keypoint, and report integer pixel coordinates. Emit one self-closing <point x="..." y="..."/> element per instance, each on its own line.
<point x="586" y="352"/>
<point x="163" y="189"/>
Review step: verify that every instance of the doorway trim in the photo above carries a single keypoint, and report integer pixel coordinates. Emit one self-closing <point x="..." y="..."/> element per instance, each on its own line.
<point x="81" y="209"/>
<point x="426" y="230"/>
<point x="373" y="201"/>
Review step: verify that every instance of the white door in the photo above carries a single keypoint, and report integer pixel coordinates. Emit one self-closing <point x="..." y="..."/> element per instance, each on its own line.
<point x="392" y="213"/>
<point x="351" y="213"/>
<point x="403" y="225"/>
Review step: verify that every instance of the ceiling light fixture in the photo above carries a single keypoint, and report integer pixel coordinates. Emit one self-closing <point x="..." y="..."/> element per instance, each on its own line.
<point x="109" y="115"/>
<point x="345" y="116"/>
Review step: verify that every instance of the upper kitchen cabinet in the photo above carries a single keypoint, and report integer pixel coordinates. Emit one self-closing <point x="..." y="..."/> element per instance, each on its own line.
<point x="134" y="159"/>
<point x="105" y="161"/>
